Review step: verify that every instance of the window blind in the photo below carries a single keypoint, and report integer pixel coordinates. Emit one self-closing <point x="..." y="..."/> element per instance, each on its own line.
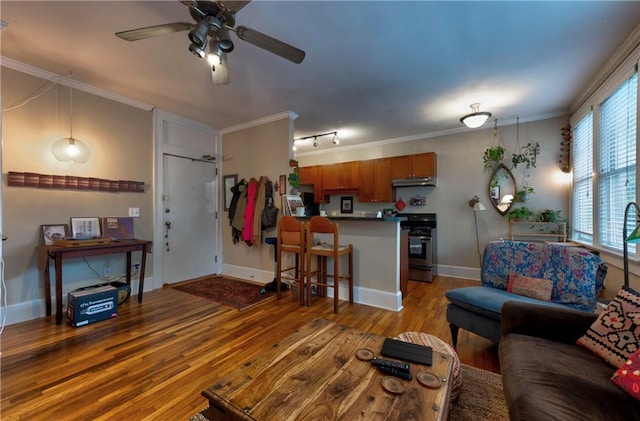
<point x="617" y="162"/>
<point x="582" y="207"/>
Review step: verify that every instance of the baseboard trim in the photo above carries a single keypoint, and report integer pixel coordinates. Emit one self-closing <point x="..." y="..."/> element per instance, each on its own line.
<point x="35" y="309"/>
<point x="249" y="274"/>
<point x="459" y="272"/>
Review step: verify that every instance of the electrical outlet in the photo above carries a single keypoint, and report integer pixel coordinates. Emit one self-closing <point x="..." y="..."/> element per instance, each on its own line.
<point x="106" y="271"/>
<point x="134" y="212"/>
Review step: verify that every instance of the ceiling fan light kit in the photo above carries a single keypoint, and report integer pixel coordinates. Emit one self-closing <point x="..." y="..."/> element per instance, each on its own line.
<point x="213" y="20"/>
<point x="477" y="118"/>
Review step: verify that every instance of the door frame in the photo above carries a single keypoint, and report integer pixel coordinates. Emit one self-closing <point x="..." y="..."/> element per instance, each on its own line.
<point x="162" y="146"/>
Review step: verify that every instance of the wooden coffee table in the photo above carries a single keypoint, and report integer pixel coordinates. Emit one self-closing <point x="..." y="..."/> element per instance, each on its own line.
<point x="314" y="374"/>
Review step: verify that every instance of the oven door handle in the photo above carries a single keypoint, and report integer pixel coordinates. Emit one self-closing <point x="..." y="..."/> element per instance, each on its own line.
<point x="422" y="237"/>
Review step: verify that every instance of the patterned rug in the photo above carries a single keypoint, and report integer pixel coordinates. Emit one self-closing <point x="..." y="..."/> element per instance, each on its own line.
<point x="481" y="398"/>
<point x="229" y="292"/>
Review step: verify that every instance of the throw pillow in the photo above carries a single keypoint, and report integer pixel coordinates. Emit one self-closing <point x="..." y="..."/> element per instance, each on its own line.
<point x="615" y="335"/>
<point x="530" y="287"/>
<point x="628" y="376"/>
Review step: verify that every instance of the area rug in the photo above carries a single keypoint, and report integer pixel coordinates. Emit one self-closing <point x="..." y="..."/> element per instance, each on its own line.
<point x="481" y="398"/>
<point x="229" y="292"/>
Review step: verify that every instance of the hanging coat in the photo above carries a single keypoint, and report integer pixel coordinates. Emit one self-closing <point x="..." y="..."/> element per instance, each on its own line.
<point x="247" y="232"/>
<point x="257" y="214"/>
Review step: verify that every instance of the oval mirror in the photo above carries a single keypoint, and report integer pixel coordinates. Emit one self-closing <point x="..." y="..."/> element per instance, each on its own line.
<point x="502" y="189"/>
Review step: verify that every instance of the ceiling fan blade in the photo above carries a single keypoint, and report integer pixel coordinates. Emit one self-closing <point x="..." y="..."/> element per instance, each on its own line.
<point x="270" y="44"/>
<point x="154" y="31"/>
<point x="234" y="5"/>
<point x="220" y="72"/>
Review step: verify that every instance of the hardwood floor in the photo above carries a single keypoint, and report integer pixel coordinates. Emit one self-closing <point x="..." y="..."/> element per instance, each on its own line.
<point x="152" y="362"/>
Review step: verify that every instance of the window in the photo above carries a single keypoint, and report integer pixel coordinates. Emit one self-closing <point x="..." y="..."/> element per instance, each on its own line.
<point x="617" y="161"/>
<point x="615" y="165"/>
<point x="583" y="180"/>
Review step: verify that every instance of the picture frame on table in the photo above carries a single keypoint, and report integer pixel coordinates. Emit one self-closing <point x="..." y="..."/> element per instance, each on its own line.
<point x="346" y="204"/>
<point x="229" y="181"/>
<point x="52" y="232"/>
<point x="291" y="204"/>
<point x="82" y="228"/>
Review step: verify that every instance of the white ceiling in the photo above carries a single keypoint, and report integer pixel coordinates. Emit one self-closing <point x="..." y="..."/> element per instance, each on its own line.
<point x="373" y="70"/>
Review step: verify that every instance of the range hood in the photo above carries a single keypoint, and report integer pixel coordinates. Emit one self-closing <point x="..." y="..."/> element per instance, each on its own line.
<point x="414" y="182"/>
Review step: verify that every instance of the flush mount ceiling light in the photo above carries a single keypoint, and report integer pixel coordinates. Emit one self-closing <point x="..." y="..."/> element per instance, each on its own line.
<point x="335" y="140"/>
<point x="70" y="149"/>
<point x="477" y="118"/>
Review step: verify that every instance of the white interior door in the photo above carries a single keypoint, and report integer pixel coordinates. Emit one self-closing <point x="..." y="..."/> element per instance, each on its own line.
<point x="189" y="219"/>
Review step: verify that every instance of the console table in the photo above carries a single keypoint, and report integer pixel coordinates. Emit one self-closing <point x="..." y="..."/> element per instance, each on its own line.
<point x="58" y="254"/>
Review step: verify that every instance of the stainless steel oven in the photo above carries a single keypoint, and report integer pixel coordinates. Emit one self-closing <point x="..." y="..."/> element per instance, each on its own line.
<point x="422" y="245"/>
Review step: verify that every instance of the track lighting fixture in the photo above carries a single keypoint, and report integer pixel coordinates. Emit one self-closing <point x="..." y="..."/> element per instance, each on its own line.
<point x="477" y="118"/>
<point x="315" y="137"/>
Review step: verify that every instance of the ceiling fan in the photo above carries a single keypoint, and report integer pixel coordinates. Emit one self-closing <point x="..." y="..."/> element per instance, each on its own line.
<point x="209" y="35"/>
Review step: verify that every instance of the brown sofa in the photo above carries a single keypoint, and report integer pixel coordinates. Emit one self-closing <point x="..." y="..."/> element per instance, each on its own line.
<point x="546" y="376"/>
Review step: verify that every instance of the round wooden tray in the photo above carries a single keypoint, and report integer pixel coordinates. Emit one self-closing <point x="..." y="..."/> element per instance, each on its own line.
<point x="429" y="380"/>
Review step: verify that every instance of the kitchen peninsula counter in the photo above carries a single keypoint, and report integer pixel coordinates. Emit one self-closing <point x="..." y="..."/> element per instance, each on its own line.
<point x="377" y="245"/>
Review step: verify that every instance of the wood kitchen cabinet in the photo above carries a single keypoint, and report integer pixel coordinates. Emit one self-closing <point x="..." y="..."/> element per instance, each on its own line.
<point x="340" y="177"/>
<point x="414" y="166"/>
<point x="313" y="176"/>
<point x="375" y="180"/>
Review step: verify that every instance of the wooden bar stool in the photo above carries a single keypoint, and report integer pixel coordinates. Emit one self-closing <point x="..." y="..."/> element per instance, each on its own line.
<point x="322" y="251"/>
<point x="290" y="240"/>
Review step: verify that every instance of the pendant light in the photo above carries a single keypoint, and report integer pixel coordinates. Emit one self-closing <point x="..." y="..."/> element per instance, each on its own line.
<point x="477" y="118"/>
<point x="70" y="149"/>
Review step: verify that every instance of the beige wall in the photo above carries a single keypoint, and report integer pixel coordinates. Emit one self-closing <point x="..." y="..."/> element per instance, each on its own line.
<point x="120" y="139"/>
<point x="254" y="152"/>
<point x="461" y="176"/>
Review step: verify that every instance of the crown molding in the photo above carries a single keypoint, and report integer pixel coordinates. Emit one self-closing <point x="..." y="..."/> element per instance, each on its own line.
<point x="65" y="81"/>
<point x="264" y="120"/>
<point x="630" y="46"/>
<point x="424" y="136"/>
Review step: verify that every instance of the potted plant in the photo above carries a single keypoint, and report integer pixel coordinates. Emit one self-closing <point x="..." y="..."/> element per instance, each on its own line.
<point x="492" y="157"/>
<point x="550" y="215"/>
<point x="520" y="214"/>
<point x="527" y="155"/>
<point x="524" y="194"/>
<point x="294" y="177"/>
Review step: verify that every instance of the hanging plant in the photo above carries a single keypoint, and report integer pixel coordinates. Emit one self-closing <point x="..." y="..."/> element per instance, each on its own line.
<point x="524" y="194"/>
<point x="494" y="153"/>
<point x="527" y="154"/>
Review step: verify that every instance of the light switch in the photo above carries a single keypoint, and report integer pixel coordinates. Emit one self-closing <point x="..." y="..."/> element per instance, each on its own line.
<point x="134" y="212"/>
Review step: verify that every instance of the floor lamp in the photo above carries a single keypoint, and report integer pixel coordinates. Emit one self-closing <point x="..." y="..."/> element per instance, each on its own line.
<point x="477" y="205"/>
<point x="633" y="238"/>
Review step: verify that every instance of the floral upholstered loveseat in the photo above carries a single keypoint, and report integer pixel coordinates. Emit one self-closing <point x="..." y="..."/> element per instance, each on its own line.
<point x="551" y="274"/>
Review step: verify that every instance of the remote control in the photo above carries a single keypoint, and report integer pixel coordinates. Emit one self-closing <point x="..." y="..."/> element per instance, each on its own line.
<point x="381" y="362"/>
<point x="395" y="372"/>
